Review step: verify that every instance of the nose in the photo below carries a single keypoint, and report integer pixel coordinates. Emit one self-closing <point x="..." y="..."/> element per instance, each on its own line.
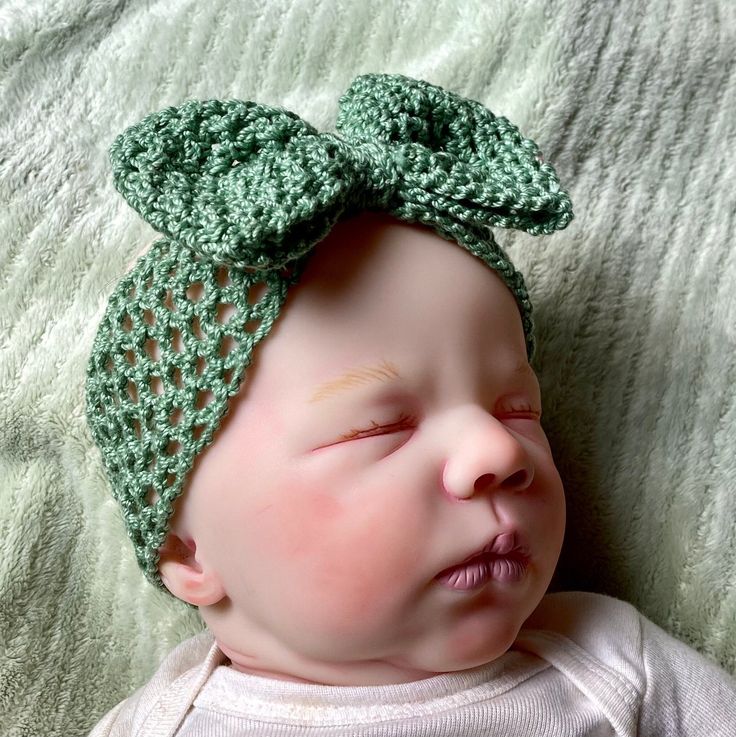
<point x="484" y="455"/>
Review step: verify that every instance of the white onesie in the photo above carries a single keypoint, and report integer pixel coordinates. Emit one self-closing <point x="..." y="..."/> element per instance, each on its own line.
<point x="584" y="664"/>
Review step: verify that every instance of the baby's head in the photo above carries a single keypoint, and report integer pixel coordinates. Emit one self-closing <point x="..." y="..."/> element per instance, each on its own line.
<point x="386" y="430"/>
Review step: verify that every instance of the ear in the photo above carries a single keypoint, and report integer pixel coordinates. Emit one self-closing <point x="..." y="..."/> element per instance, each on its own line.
<point x="184" y="576"/>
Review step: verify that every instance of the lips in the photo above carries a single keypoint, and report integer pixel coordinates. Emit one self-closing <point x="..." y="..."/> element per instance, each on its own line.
<point x="502" y="544"/>
<point x="504" y="558"/>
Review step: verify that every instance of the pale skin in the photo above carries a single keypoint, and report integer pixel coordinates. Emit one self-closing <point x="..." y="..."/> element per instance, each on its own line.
<point x="389" y="427"/>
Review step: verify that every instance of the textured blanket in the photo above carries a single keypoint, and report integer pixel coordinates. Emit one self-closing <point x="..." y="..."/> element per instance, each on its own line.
<point x="634" y="103"/>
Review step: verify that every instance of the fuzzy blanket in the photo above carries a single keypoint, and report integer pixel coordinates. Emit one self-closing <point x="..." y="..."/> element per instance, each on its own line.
<point x="635" y="105"/>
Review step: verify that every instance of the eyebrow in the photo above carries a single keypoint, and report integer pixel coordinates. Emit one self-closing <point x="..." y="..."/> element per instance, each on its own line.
<point x="384" y="371"/>
<point x="387" y="371"/>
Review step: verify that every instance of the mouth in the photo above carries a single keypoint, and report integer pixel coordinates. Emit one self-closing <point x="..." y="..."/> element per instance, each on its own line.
<point x="504" y="559"/>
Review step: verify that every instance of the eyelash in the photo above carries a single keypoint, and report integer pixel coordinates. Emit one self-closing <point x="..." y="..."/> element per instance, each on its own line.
<point x="400" y="424"/>
<point x="526" y="409"/>
<point x="404" y="421"/>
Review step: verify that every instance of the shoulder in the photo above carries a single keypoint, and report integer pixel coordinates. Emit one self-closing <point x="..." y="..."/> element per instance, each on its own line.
<point x="582" y="631"/>
<point x="174" y="685"/>
<point x="616" y="634"/>
<point x="593" y="642"/>
<point x="645" y="680"/>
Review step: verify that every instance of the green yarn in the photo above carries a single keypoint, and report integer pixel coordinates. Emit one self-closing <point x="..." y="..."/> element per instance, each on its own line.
<point x="163" y="365"/>
<point x="241" y="193"/>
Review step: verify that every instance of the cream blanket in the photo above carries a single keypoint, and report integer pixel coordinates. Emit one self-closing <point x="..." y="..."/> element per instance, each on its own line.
<point x="635" y="104"/>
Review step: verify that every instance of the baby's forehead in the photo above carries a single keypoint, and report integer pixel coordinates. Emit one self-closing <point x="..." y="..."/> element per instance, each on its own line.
<point x="338" y="357"/>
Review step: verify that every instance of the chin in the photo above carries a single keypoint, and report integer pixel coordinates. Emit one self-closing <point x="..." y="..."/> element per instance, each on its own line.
<point x="472" y="647"/>
<point x="479" y="658"/>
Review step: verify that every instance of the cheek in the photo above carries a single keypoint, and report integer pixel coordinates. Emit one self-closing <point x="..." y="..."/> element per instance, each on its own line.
<point x="348" y="559"/>
<point x="545" y="520"/>
<point x="555" y="509"/>
<point x="291" y="527"/>
<point x="374" y="567"/>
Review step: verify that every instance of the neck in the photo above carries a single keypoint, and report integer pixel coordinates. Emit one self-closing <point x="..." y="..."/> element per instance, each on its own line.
<point x="298" y="669"/>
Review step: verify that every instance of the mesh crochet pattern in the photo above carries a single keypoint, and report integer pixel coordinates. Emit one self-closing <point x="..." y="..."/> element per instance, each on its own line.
<point x="241" y="193"/>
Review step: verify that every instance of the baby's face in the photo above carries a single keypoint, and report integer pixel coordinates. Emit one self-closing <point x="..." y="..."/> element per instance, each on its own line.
<point x="388" y="430"/>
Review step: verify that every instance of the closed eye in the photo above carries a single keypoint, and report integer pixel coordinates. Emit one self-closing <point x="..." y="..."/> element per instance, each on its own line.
<point x="521" y="411"/>
<point x="404" y="422"/>
<point x="521" y="415"/>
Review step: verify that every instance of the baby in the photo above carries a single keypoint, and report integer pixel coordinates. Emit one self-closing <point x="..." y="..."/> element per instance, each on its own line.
<point x="364" y="507"/>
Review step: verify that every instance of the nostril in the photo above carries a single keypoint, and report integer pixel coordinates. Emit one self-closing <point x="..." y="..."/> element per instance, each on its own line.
<point x="483" y="481"/>
<point x="516" y="480"/>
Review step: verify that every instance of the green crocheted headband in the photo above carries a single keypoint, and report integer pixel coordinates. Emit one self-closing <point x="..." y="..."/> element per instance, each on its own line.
<point x="241" y="193"/>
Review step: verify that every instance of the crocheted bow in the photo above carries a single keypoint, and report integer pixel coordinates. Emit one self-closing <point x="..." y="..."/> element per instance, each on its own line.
<point x="250" y="185"/>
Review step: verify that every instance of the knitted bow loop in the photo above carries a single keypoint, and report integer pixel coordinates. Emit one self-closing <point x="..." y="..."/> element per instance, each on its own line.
<point x="457" y="160"/>
<point x="244" y="184"/>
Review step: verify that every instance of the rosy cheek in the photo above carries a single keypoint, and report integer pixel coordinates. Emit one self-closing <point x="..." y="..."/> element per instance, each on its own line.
<point x="373" y="573"/>
<point x="292" y="525"/>
<point x="349" y="559"/>
<point x="367" y="565"/>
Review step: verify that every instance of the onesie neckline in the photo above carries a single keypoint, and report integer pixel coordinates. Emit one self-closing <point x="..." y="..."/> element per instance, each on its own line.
<point x="271" y="700"/>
